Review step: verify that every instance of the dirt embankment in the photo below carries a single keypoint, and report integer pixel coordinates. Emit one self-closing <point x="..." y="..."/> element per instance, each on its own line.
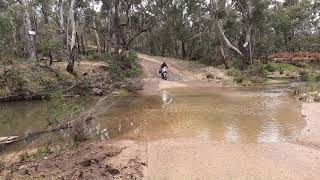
<point x="21" y="81"/>
<point x="98" y="160"/>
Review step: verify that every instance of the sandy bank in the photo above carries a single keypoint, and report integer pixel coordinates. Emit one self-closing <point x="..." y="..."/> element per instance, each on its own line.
<point x="310" y="135"/>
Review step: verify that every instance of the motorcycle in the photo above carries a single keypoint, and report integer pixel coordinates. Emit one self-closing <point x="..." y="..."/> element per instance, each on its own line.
<point x="164" y="73"/>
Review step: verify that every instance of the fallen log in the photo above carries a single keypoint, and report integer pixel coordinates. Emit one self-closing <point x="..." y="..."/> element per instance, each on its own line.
<point x="21" y="97"/>
<point x="9" y="139"/>
<point x="13" y="139"/>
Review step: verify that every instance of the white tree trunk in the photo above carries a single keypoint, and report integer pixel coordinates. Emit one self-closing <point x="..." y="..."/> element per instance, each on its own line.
<point x="61" y="16"/>
<point x="72" y="24"/>
<point x="249" y="42"/>
<point x="73" y="38"/>
<point x="96" y="35"/>
<point x="30" y="39"/>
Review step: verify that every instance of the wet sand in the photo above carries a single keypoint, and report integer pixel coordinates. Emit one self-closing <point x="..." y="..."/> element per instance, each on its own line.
<point x="199" y="159"/>
<point x="310" y="135"/>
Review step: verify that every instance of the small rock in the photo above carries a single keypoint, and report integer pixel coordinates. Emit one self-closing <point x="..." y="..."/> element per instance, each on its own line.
<point x="87" y="163"/>
<point x="210" y="76"/>
<point x="27" y="172"/>
<point x="112" y="171"/>
<point x="97" y="91"/>
<point x="219" y="76"/>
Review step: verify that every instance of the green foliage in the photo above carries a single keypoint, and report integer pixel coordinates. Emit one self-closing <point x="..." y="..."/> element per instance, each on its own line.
<point x="123" y="93"/>
<point x="256" y="73"/>
<point x="43" y="152"/>
<point x="281" y="67"/>
<point x="11" y="81"/>
<point x="5" y="38"/>
<point x="270" y="67"/>
<point x="257" y="69"/>
<point x="135" y="70"/>
<point x="238" y="76"/>
<point x="106" y="57"/>
<point x="48" y="40"/>
<point x="309" y="76"/>
<point x="125" y="67"/>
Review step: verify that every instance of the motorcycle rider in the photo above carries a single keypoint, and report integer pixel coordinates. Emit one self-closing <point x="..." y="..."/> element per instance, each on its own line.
<point x="162" y="66"/>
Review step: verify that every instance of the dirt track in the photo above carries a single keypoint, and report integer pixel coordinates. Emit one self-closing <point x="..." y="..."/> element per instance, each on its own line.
<point x="181" y="74"/>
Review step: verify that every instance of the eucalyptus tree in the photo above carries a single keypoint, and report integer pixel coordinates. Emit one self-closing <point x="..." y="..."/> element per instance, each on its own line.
<point x="28" y="30"/>
<point x="126" y="20"/>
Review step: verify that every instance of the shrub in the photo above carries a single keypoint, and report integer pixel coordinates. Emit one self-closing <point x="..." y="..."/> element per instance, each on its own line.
<point x="270" y="67"/>
<point x="11" y="81"/>
<point x="257" y="79"/>
<point x="309" y="76"/>
<point x="234" y="72"/>
<point x="102" y="57"/>
<point x="257" y="69"/>
<point x="123" y="93"/>
<point x="43" y="152"/>
<point x="132" y="57"/>
<point x="237" y="63"/>
<point x="281" y="70"/>
<point x="125" y="67"/>
<point x="135" y="71"/>
<point x="280" y="67"/>
<point x="238" y="76"/>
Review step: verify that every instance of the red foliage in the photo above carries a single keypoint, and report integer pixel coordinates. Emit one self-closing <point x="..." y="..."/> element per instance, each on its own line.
<point x="295" y="56"/>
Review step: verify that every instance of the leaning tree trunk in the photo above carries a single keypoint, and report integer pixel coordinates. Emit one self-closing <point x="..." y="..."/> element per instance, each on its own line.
<point x="220" y="33"/>
<point x="71" y="48"/>
<point x="224" y="59"/>
<point x="29" y="39"/>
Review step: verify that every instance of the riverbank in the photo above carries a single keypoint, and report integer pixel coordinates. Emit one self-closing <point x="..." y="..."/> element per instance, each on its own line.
<point x="93" y="76"/>
<point x="89" y="160"/>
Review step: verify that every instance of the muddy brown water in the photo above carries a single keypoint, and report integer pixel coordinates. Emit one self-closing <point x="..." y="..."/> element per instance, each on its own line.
<point x="231" y="115"/>
<point x="262" y="115"/>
